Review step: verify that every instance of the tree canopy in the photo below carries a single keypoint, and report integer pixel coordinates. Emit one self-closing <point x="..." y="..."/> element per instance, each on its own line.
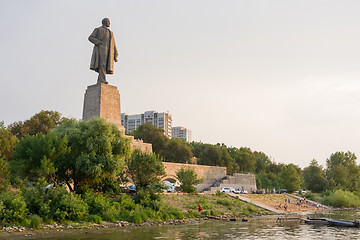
<point x="176" y="151"/>
<point x="152" y="134"/>
<point x="144" y="169"/>
<point x="97" y="153"/>
<point x="314" y="177"/>
<point x="342" y="171"/>
<point x="42" y="122"/>
<point x="188" y="178"/>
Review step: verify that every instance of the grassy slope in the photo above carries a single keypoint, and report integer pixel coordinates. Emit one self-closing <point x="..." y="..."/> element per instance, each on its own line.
<point x="212" y="204"/>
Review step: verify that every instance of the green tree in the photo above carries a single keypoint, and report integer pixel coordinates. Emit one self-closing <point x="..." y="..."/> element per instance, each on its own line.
<point x="39" y="156"/>
<point x="7" y="142"/>
<point x="314" y="177"/>
<point x="4" y="175"/>
<point x="98" y="150"/>
<point x="42" y="122"/>
<point x="342" y="171"/>
<point x="144" y="169"/>
<point x="176" y="151"/>
<point x="188" y="178"/>
<point x="290" y="178"/>
<point x="152" y="134"/>
<point x="216" y="155"/>
<point x="244" y="158"/>
<point x="262" y="162"/>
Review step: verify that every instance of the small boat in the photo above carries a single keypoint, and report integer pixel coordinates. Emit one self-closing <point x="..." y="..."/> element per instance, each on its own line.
<point x="343" y="223"/>
<point x="331" y="222"/>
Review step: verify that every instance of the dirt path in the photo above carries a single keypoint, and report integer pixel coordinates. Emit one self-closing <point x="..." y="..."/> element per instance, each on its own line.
<point x="274" y="201"/>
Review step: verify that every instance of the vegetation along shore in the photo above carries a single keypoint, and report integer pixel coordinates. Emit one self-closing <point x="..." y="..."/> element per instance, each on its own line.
<point x="59" y="173"/>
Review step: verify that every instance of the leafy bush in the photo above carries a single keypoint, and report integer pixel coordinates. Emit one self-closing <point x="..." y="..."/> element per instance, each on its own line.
<point x="205" y="213"/>
<point x="126" y="202"/>
<point x="343" y="199"/>
<point x="165" y="216"/>
<point x="176" y="214"/>
<point x="148" y="198"/>
<point x="193" y="214"/>
<point x="98" y="204"/>
<point x="12" y="208"/>
<point x="35" y="222"/>
<point x="55" y="204"/>
<point x="94" y="219"/>
<point x="224" y="202"/>
<point x="249" y="208"/>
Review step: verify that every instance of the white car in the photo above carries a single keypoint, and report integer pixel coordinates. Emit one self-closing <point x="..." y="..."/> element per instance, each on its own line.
<point x="237" y="191"/>
<point x="227" y="189"/>
<point x="240" y="191"/>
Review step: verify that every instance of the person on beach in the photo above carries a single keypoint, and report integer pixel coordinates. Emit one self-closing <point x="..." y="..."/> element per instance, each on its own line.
<point x="199" y="209"/>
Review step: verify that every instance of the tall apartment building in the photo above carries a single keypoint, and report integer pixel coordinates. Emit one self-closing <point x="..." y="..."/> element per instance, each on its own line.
<point x="161" y="120"/>
<point x="181" y="132"/>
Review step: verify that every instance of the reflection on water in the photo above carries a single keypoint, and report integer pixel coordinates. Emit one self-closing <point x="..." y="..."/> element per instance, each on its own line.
<point x="262" y="228"/>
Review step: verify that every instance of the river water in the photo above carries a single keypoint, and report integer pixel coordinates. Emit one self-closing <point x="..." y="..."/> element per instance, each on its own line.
<point x="259" y="228"/>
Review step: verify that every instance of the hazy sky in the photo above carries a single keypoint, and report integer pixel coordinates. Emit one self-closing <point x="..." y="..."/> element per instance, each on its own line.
<point x="281" y="77"/>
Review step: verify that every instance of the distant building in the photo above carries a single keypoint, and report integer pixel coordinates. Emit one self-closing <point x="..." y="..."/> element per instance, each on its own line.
<point x="181" y="132"/>
<point x="161" y="120"/>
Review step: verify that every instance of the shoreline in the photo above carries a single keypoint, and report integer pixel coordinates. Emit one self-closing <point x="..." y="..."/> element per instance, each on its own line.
<point x="46" y="231"/>
<point x="57" y="230"/>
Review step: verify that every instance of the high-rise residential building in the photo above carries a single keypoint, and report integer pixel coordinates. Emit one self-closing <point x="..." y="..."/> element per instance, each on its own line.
<point x="181" y="132"/>
<point x="161" y="120"/>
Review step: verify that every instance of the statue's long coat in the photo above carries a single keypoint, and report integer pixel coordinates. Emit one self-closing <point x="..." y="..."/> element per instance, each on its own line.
<point x="96" y="37"/>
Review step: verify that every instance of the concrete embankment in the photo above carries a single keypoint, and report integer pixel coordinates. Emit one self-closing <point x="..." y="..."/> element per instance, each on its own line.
<point x="256" y="203"/>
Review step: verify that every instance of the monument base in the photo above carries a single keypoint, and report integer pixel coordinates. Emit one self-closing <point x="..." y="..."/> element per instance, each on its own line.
<point x="103" y="100"/>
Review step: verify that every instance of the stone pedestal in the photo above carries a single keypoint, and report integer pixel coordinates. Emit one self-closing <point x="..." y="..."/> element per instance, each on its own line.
<point x="103" y="100"/>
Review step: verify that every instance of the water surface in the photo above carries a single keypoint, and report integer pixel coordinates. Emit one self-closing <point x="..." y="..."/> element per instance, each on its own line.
<point x="260" y="228"/>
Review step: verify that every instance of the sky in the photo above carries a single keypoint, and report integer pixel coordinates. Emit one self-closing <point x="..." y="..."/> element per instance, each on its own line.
<point x="281" y="77"/>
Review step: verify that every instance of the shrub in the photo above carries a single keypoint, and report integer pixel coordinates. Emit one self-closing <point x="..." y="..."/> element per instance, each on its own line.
<point x="136" y="218"/>
<point x="94" y="219"/>
<point x="98" y="204"/>
<point x="205" y="213"/>
<point x="176" y="214"/>
<point x="224" y="202"/>
<point x="12" y="208"/>
<point x="249" y="208"/>
<point x="35" y="222"/>
<point x="165" y="216"/>
<point x="148" y="198"/>
<point x="55" y="204"/>
<point x="66" y="206"/>
<point x="126" y="202"/>
<point x="343" y="199"/>
<point x="193" y="214"/>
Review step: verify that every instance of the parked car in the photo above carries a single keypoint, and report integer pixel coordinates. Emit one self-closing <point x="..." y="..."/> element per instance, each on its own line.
<point x="227" y="189"/>
<point x="170" y="187"/>
<point x="238" y="191"/>
<point x="280" y="191"/>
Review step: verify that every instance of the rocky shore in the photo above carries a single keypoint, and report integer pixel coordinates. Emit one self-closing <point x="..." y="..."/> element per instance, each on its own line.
<point x="47" y="230"/>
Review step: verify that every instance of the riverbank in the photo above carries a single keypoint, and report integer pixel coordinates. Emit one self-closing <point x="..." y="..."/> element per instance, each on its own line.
<point x="219" y="206"/>
<point x="214" y="206"/>
<point x="56" y="230"/>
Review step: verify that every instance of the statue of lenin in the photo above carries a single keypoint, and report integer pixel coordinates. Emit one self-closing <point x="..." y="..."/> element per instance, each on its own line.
<point x="104" y="53"/>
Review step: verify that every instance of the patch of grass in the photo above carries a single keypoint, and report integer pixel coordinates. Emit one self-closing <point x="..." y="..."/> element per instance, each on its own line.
<point x="342" y="199"/>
